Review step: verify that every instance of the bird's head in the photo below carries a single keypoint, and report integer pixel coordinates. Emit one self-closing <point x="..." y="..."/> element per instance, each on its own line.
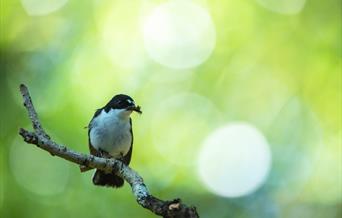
<point x="124" y="104"/>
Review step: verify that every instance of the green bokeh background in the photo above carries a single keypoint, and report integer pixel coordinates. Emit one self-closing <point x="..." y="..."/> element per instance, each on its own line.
<point x="280" y="73"/>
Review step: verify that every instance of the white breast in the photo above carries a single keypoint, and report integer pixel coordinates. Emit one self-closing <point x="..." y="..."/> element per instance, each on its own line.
<point x="110" y="132"/>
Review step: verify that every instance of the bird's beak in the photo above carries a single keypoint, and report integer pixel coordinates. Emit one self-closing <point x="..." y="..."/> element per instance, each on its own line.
<point x="134" y="108"/>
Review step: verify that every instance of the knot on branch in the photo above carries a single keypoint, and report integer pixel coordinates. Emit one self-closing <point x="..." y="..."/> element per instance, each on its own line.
<point x="176" y="209"/>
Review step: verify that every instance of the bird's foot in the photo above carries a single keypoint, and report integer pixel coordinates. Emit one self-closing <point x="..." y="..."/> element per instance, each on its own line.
<point x="104" y="154"/>
<point x="121" y="158"/>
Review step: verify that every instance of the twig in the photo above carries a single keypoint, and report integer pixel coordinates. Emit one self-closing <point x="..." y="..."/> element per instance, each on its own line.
<point x="173" y="208"/>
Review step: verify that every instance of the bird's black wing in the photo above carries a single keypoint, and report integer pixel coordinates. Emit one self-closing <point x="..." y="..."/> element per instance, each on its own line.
<point x="127" y="158"/>
<point x="92" y="150"/>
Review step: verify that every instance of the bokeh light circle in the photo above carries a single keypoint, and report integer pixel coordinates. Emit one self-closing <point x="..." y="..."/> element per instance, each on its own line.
<point x="234" y="160"/>
<point x="42" y="7"/>
<point x="283" y="6"/>
<point x="36" y="171"/>
<point x="179" y="34"/>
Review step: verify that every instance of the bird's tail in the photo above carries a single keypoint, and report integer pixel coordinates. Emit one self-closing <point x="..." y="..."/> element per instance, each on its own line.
<point x="107" y="179"/>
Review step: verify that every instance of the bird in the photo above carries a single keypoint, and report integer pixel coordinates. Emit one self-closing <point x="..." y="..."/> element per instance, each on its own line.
<point x="110" y="136"/>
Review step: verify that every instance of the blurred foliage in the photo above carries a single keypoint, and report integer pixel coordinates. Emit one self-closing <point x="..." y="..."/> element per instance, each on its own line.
<point x="280" y="72"/>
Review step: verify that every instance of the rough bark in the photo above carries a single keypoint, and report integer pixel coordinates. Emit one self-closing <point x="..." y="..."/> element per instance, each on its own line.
<point x="170" y="209"/>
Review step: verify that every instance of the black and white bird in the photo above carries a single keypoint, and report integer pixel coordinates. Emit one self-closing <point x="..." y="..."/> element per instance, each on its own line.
<point x="110" y="135"/>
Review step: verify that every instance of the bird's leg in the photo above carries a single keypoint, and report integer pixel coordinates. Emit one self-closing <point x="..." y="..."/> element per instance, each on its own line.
<point x="121" y="158"/>
<point x="104" y="154"/>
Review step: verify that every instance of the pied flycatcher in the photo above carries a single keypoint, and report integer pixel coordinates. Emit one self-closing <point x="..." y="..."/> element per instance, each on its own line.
<point x="110" y="135"/>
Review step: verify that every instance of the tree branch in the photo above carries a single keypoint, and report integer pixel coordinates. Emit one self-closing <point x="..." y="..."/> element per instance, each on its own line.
<point x="169" y="209"/>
